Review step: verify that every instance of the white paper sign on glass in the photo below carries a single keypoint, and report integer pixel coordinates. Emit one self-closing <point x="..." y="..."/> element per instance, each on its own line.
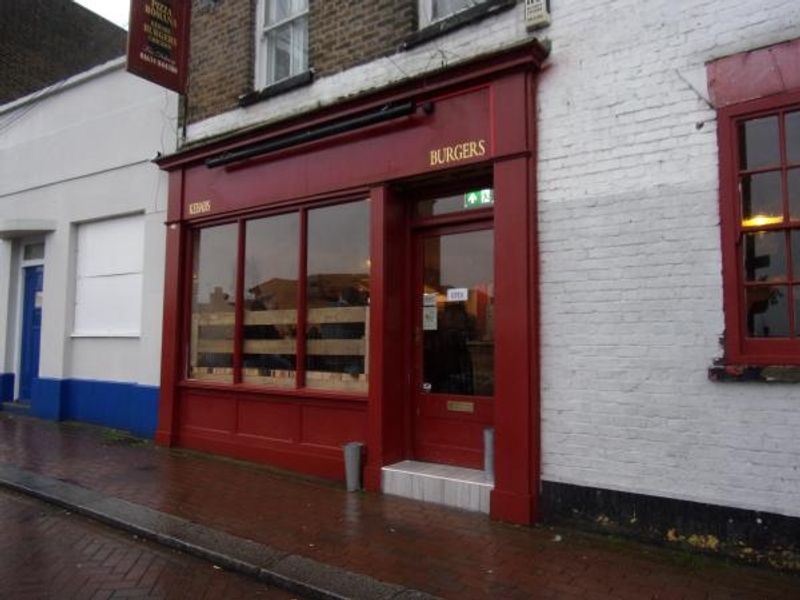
<point x="429" y="321"/>
<point x="457" y="295"/>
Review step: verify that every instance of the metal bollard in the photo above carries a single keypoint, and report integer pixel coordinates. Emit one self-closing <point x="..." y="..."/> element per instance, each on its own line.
<point x="488" y="452"/>
<point x="352" y="465"/>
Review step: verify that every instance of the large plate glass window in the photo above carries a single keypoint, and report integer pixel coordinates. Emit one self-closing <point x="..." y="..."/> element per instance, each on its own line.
<point x="213" y="303"/>
<point x="270" y="300"/>
<point x="337" y="287"/>
<point x="251" y="322"/>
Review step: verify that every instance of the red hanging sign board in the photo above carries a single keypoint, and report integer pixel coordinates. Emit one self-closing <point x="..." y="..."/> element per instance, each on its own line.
<point x="158" y="42"/>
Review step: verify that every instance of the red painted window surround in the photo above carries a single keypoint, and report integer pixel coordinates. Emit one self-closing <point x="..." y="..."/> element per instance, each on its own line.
<point x="755" y="92"/>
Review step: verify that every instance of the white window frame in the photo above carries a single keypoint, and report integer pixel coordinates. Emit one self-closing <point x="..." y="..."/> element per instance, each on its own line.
<point x="425" y="12"/>
<point x="262" y="58"/>
<point x="135" y="270"/>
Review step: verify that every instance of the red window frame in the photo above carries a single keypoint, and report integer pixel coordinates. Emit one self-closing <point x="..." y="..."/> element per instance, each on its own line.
<point x="739" y="348"/>
<point x="241" y="221"/>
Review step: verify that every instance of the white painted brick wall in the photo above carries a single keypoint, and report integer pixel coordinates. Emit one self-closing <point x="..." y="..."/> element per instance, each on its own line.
<point x="630" y="250"/>
<point x="630" y="255"/>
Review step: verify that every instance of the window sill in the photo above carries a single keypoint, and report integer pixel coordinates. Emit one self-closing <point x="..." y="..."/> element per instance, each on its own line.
<point x="754" y="373"/>
<point x="456" y="21"/>
<point x="280" y="87"/>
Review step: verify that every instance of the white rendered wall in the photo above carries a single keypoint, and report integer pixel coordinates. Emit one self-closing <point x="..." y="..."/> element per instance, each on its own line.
<point x="80" y="154"/>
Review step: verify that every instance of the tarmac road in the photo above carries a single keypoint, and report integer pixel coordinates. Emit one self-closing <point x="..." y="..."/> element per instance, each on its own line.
<point x="48" y="552"/>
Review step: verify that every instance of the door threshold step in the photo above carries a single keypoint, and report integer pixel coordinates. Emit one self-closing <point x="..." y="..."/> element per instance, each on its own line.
<point x="459" y="487"/>
<point x="17" y="408"/>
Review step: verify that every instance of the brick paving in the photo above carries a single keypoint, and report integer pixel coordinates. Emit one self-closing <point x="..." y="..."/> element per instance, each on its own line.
<point x="46" y="552"/>
<point x="442" y="551"/>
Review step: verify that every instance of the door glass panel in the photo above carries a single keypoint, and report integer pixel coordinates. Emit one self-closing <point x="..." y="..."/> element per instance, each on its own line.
<point x="213" y="303"/>
<point x="270" y="300"/>
<point x="33" y="252"/>
<point x="337" y="288"/>
<point x="458" y="313"/>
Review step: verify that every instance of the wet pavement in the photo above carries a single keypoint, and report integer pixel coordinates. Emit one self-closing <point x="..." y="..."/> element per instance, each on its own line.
<point x="446" y="552"/>
<point x="47" y="552"/>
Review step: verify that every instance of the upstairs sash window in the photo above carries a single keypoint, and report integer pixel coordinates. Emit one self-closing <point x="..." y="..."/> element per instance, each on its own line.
<point x="281" y="40"/>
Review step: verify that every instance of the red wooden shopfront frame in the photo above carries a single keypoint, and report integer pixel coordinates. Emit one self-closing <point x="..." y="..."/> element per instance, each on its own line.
<point x="486" y="104"/>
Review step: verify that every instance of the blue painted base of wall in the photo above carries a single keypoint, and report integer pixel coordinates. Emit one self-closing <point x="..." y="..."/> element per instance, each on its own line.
<point x="6" y="387"/>
<point x="128" y="406"/>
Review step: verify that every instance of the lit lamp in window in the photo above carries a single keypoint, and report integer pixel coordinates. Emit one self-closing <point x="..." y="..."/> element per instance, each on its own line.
<point x="761" y="220"/>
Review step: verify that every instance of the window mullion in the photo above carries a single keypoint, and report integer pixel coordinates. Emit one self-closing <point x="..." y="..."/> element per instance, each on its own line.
<point x="302" y="301"/>
<point x="238" y="328"/>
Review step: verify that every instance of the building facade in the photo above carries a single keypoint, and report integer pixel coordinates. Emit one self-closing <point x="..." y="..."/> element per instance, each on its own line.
<point x="43" y="42"/>
<point x="405" y="223"/>
<point x="82" y="252"/>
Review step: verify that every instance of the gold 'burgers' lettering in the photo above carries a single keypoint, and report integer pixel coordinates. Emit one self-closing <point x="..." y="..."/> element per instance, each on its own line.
<point x="458" y="152"/>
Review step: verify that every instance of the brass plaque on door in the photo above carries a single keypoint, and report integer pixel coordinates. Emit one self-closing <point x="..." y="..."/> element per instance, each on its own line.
<point x="457" y="406"/>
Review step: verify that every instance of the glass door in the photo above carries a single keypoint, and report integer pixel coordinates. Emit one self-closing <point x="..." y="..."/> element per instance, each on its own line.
<point x="454" y="343"/>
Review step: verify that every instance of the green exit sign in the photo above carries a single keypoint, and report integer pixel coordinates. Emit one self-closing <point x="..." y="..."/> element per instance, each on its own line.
<point x="479" y="198"/>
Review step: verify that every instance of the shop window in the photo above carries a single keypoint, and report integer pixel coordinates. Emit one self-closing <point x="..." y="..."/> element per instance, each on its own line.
<point x="760" y="166"/>
<point x="258" y="343"/>
<point x="337" y="288"/>
<point x="281" y="40"/>
<point x="431" y="11"/>
<point x="270" y="300"/>
<point x="108" y="286"/>
<point x="213" y="303"/>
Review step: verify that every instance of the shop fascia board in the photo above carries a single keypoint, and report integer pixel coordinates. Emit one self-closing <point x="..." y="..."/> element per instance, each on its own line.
<point x="527" y="55"/>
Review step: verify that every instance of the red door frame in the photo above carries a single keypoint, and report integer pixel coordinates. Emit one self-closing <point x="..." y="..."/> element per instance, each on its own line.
<point x="502" y="88"/>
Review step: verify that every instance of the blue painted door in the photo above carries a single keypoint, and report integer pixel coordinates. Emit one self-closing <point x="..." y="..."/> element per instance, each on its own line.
<point x="31" y="329"/>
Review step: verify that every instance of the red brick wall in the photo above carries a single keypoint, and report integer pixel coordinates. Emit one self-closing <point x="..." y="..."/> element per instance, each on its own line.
<point x="346" y="33"/>
<point x="45" y="41"/>
<point x="342" y="34"/>
<point x="221" y="55"/>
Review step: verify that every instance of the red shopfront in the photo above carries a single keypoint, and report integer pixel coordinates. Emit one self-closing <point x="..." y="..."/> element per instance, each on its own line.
<point x="367" y="273"/>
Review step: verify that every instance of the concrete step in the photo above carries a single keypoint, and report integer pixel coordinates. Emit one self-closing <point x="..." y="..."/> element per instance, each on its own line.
<point x="458" y="487"/>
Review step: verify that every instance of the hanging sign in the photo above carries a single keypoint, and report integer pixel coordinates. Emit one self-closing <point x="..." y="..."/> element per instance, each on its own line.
<point x="158" y="42"/>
